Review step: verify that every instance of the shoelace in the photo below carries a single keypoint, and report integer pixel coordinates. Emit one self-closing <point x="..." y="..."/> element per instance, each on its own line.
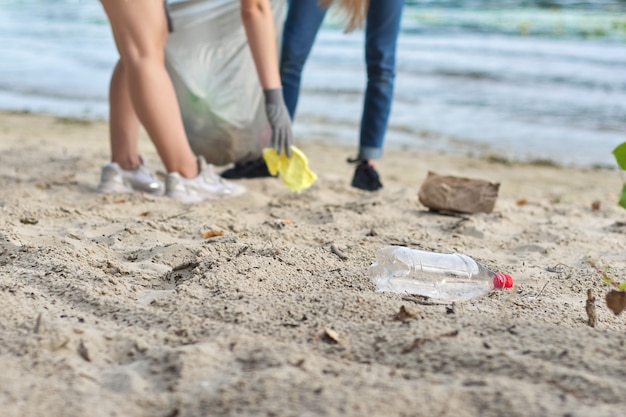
<point x="211" y="177"/>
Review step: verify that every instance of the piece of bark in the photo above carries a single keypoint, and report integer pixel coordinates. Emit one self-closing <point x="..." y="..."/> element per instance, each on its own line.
<point x="458" y="194"/>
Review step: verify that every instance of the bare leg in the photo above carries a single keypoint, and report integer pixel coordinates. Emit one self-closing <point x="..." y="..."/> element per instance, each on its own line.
<point x="140" y="32"/>
<point x="123" y="121"/>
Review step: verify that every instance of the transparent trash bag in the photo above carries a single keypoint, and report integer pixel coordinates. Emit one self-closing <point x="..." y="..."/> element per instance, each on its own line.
<point x="218" y="90"/>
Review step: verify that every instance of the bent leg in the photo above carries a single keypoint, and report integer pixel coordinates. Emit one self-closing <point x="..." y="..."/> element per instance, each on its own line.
<point x="140" y="32"/>
<point x="303" y="21"/>
<point x="381" y="35"/>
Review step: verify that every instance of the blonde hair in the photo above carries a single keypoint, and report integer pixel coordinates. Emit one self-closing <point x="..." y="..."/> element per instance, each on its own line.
<point x="355" y="11"/>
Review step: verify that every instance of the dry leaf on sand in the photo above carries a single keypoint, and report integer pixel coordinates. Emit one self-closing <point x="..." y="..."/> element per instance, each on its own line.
<point x="212" y="233"/>
<point x="616" y="301"/>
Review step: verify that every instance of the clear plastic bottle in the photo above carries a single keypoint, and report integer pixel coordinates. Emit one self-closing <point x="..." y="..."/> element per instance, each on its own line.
<point x="443" y="276"/>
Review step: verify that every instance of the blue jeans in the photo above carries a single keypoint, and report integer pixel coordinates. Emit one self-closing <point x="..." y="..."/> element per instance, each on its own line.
<point x="382" y="26"/>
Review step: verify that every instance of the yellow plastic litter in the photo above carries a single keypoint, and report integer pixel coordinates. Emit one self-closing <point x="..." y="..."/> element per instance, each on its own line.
<point x="294" y="171"/>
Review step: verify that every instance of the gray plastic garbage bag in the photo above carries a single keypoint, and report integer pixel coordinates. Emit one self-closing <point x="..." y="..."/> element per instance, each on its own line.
<point x="211" y="66"/>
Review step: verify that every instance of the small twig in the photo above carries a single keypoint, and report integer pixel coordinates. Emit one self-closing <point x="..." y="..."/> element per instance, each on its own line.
<point x="82" y="351"/>
<point x="556" y="268"/>
<point x="179" y="214"/>
<point x="542" y="288"/>
<point x="423" y="340"/>
<point x="422" y="300"/>
<point x="590" y="306"/>
<point x="242" y="250"/>
<point x="185" y="265"/>
<point x="337" y="252"/>
<point x="37" y="328"/>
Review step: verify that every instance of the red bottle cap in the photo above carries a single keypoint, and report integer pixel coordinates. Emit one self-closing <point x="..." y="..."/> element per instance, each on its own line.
<point x="502" y="280"/>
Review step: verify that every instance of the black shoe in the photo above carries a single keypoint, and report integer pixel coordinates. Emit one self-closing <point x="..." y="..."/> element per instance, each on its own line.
<point x="251" y="169"/>
<point x="366" y="178"/>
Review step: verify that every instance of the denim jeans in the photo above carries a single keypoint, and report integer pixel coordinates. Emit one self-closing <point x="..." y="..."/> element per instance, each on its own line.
<point x="382" y="26"/>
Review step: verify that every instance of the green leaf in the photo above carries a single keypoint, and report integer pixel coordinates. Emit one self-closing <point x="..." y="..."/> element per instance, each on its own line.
<point x="622" y="286"/>
<point x="622" y="197"/>
<point x="620" y="155"/>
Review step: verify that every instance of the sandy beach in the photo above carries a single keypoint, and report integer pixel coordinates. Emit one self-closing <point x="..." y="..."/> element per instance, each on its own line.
<point x="132" y="305"/>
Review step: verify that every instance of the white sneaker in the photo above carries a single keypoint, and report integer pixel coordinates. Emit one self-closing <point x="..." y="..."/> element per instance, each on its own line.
<point x="114" y="179"/>
<point x="206" y="186"/>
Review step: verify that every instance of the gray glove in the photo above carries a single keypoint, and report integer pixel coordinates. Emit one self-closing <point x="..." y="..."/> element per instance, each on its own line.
<point x="278" y="116"/>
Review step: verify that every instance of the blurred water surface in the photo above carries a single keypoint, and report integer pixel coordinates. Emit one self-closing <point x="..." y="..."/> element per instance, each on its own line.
<point x="525" y="79"/>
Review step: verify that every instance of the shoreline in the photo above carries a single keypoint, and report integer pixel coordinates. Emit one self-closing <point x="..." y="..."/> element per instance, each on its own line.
<point x="400" y="163"/>
<point x="263" y="304"/>
<point x="302" y="137"/>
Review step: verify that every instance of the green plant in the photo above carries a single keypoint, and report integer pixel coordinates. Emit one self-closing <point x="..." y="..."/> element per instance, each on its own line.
<point x="616" y="298"/>
<point x="620" y="157"/>
<point x="605" y="277"/>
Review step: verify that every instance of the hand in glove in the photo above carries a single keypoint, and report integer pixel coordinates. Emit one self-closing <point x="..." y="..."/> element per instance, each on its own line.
<point x="278" y="116"/>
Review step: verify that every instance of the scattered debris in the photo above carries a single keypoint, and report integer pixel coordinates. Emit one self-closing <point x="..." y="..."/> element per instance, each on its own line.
<point x="458" y="194"/>
<point x="451" y="309"/>
<point x="178" y="215"/>
<point x="212" y="233"/>
<point x="590" y="306"/>
<point x="330" y="336"/>
<point x="558" y="268"/>
<point x="521" y="202"/>
<point x="242" y="250"/>
<point x="616" y="301"/>
<point x="337" y="252"/>
<point x="185" y="265"/>
<point x="420" y="341"/>
<point x="595" y="206"/>
<point x="406" y="313"/>
<point x="82" y="351"/>
<point x="279" y="224"/>
<point x="37" y="327"/>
